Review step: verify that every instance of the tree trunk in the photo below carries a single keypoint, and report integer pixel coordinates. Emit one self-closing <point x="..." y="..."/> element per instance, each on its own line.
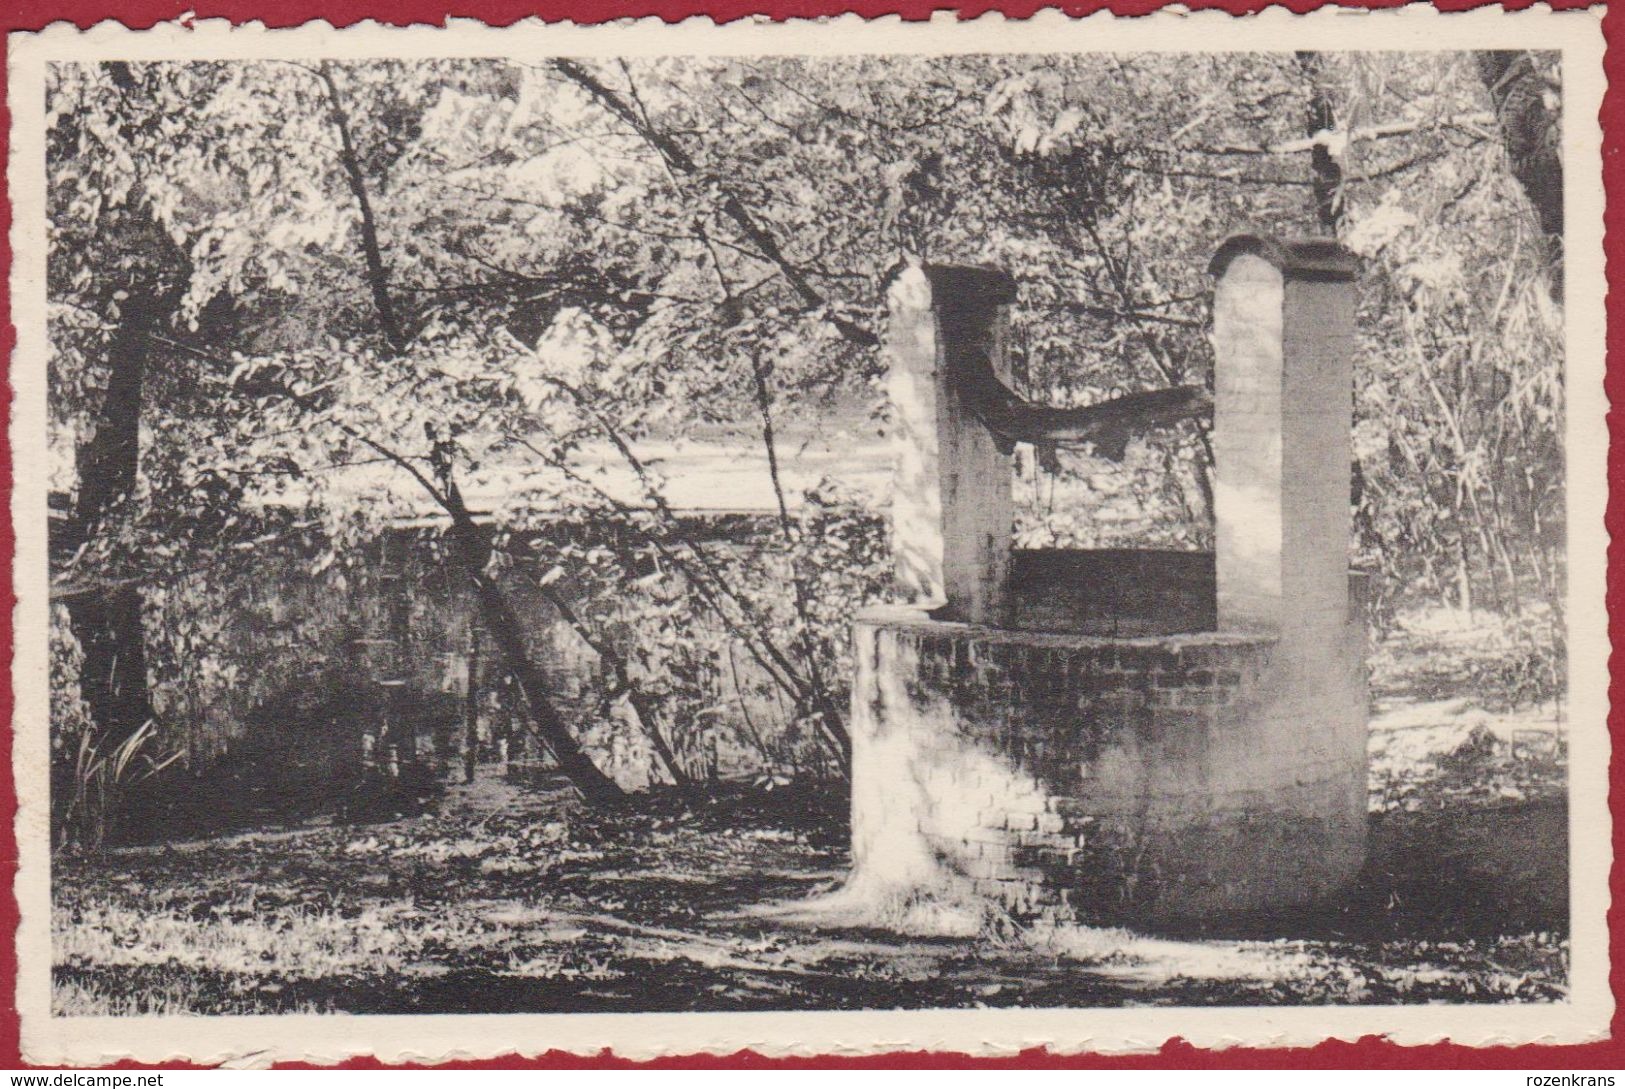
<point x="471" y="704"/>
<point x="113" y="671"/>
<point x="471" y="549"/>
<point x="1326" y="175"/>
<point x="372" y="251"/>
<point x="508" y="635"/>
<point x="471" y="545"/>
<point x="107" y="624"/>
<point x="1531" y="134"/>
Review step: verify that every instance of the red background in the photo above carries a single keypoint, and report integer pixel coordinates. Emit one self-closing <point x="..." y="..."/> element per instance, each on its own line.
<point x="1371" y="1052"/>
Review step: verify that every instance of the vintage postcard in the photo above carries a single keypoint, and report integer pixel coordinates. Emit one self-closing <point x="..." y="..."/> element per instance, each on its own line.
<point x="829" y="537"/>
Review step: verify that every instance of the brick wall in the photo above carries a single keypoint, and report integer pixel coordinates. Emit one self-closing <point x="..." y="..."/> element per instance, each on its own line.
<point x="1104" y="779"/>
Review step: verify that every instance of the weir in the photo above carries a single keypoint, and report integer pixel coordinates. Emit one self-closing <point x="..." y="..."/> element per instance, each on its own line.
<point x="1121" y="735"/>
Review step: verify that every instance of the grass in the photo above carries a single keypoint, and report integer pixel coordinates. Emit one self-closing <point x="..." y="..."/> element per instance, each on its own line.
<point x="519" y="900"/>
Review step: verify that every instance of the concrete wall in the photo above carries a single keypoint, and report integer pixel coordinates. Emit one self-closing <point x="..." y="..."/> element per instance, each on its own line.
<point x="280" y="653"/>
<point x="952" y="506"/>
<point x="1283" y="337"/>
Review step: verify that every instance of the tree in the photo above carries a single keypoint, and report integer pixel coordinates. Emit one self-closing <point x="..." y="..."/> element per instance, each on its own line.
<point x="1524" y="87"/>
<point x="405" y="285"/>
<point x="142" y="278"/>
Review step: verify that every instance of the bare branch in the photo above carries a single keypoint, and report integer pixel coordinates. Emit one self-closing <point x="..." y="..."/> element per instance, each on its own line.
<point x="377" y="276"/>
<point x="680" y="161"/>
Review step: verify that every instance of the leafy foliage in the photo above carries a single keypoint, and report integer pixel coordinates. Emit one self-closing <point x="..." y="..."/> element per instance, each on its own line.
<point x="393" y="290"/>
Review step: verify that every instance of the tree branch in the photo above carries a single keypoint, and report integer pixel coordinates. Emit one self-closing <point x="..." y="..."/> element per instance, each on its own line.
<point x="377" y="276"/>
<point x="680" y="161"/>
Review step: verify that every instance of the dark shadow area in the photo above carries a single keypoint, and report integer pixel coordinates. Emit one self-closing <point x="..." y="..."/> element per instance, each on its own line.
<point x="499" y="899"/>
<point x="352" y="750"/>
<point x="1449" y="873"/>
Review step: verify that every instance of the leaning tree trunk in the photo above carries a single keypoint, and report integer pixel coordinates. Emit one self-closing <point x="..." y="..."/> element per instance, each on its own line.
<point x="471" y="543"/>
<point x="472" y="551"/>
<point x="509" y="637"/>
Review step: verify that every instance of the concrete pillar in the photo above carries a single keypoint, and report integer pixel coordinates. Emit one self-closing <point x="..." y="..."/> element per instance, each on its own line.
<point x="952" y="512"/>
<point x="1283" y="335"/>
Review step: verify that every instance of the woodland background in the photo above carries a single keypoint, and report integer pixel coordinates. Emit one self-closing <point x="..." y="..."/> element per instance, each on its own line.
<point x="463" y="475"/>
<point x="566" y="374"/>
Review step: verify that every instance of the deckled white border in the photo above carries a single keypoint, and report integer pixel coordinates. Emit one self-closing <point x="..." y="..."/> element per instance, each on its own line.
<point x="261" y="1040"/>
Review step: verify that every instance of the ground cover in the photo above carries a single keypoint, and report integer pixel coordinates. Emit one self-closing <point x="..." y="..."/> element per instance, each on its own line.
<point x="508" y="898"/>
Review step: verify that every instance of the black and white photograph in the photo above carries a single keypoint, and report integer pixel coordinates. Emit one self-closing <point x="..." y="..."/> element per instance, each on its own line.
<point x="1025" y="525"/>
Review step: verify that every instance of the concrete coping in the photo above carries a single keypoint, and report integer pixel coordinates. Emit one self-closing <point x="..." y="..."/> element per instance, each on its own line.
<point x="916" y="619"/>
<point x="1298" y="259"/>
